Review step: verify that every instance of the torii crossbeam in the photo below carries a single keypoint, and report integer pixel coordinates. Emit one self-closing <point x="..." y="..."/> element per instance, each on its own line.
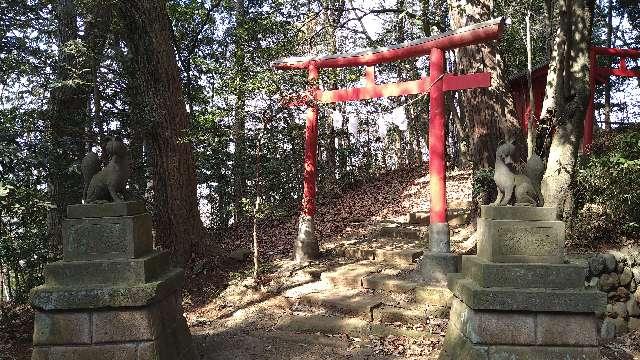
<point x="306" y="246"/>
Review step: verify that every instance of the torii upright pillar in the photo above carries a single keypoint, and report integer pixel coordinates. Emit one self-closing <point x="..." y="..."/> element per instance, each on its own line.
<point x="438" y="259"/>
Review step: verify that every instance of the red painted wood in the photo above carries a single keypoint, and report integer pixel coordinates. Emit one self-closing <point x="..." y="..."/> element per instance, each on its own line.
<point x="311" y="148"/>
<point x="437" y="165"/>
<point x="617" y="72"/>
<point x="469" y="35"/>
<point x="468" y="81"/>
<point x="451" y="82"/>
<point x="634" y="53"/>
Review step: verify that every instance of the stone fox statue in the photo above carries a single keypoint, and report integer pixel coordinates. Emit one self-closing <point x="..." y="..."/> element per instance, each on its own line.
<point x="514" y="187"/>
<point x="108" y="184"/>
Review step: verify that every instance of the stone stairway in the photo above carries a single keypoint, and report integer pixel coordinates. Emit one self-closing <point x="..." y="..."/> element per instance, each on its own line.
<point x="374" y="293"/>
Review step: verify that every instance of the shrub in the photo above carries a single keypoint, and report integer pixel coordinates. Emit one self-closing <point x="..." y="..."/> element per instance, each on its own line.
<point x="607" y="190"/>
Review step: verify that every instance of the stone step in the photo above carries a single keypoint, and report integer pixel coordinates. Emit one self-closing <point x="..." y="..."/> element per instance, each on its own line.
<point x="407" y="313"/>
<point x="350" y="275"/>
<point x="455" y="217"/>
<point x="349" y="326"/>
<point x="402" y="231"/>
<point x="344" y="301"/>
<point x="392" y="251"/>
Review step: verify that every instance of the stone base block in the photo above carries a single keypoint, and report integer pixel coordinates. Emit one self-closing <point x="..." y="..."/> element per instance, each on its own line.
<point x="434" y="267"/>
<point x="107" y="272"/>
<point x="525" y="213"/>
<point x="485" y="327"/>
<point x="306" y="245"/>
<point x="523" y="275"/>
<point x="458" y="346"/>
<point x="516" y="241"/>
<point x="527" y="299"/>
<point x="48" y="297"/>
<point x="123" y="237"/>
<point x="156" y="331"/>
<point x="439" y="241"/>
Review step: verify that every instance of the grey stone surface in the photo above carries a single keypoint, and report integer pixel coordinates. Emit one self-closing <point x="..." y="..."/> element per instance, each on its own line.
<point x="124" y="237"/>
<point x="47" y="297"/>
<point x="103" y="352"/>
<point x="626" y="277"/>
<point x="456" y="347"/>
<point x="511" y="299"/>
<point x="305" y="247"/>
<point x="109" y="183"/>
<point x="525" y="213"/>
<point x="434" y="267"/>
<point x="609" y="282"/>
<point x="608" y="329"/>
<point x="439" y="238"/>
<point x="127" y="208"/>
<point x="597" y="265"/>
<point x="566" y="329"/>
<point x="433" y="295"/>
<point x="634" y="324"/>
<point x="633" y="309"/>
<point x="543" y="353"/>
<point x="610" y="262"/>
<point x="59" y="328"/>
<point x="636" y="274"/>
<point x="620" y="309"/>
<point x="125" y="325"/>
<point x="521" y="241"/>
<point x="493" y="327"/>
<point x="551" y="276"/>
<point x="107" y="272"/>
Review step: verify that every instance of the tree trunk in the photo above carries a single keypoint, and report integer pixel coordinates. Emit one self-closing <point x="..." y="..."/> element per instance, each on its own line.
<point x="68" y="110"/>
<point x="486" y="110"/>
<point x="568" y="82"/>
<point x="607" y="84"/>
<point x="239" y="111"/>
<point x="178" y="227"/>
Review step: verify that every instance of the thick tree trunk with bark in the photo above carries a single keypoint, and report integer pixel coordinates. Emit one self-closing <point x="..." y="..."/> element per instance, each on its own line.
<point x="488" y="111"/>
<point x="178" y="227"/>
<point x="68" y="107"/>
<point x="566" y="102"/>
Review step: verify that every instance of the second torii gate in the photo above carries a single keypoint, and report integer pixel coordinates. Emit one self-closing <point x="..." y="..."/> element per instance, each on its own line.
<point x="306" y="245"/>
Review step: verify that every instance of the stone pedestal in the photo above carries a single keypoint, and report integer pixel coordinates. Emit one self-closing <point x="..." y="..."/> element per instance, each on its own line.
<point x="113" y="296"/>
<point x="306" y="247"/>
<point x="518" y="299"/>
<point x="438" y="261"/>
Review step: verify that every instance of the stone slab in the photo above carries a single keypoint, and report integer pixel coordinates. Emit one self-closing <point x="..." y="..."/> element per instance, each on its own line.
<point x="125" y="325"/>
<point x="543" y="353"/>
<point x="523" y="275"/>
<point x="457" y="347"/>
<point x="533" y="299"/>
<point x="125" y="237"/>
<point x="526" y="213"/>
<point x="493" y="327"/>
<point x="60" y="328"/>
<point x="433" y="295"/>
<point x="103" y="352"/>
<point x="350" y="275"/>
<point x="47" y="297"/>
<point x="344" y="302"/>
<point x="434" y="267"/>
<point x="488" y="327"/>
<point x="107" y="272"/>
<point x="399" y="257"/>
<point x="521" y="241"/>
<point x="113" y="209"/>
<point x="391" y="283"/>
<point x="336" y="325"/>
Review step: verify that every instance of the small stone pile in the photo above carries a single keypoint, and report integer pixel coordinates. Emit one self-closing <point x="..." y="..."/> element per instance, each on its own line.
<point x="618" y="274"/>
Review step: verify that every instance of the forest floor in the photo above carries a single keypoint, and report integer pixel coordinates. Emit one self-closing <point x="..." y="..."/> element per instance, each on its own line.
<point x="233" y="317"/>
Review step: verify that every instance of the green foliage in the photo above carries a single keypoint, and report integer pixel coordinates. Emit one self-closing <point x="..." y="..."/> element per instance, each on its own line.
<point x="607" y="195"/>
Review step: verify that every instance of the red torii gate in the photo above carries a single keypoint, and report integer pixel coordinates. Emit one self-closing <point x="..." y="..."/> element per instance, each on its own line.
<point x="306" y="246"/>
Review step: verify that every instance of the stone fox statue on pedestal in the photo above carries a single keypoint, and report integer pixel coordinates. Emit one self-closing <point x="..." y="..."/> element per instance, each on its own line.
<point x="108" y="184"/>
<point x="513" y="186"/>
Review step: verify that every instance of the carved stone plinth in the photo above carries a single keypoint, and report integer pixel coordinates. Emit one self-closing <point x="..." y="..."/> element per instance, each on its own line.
<point x="518" y="299"/>
<point x="113" y="296"/>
